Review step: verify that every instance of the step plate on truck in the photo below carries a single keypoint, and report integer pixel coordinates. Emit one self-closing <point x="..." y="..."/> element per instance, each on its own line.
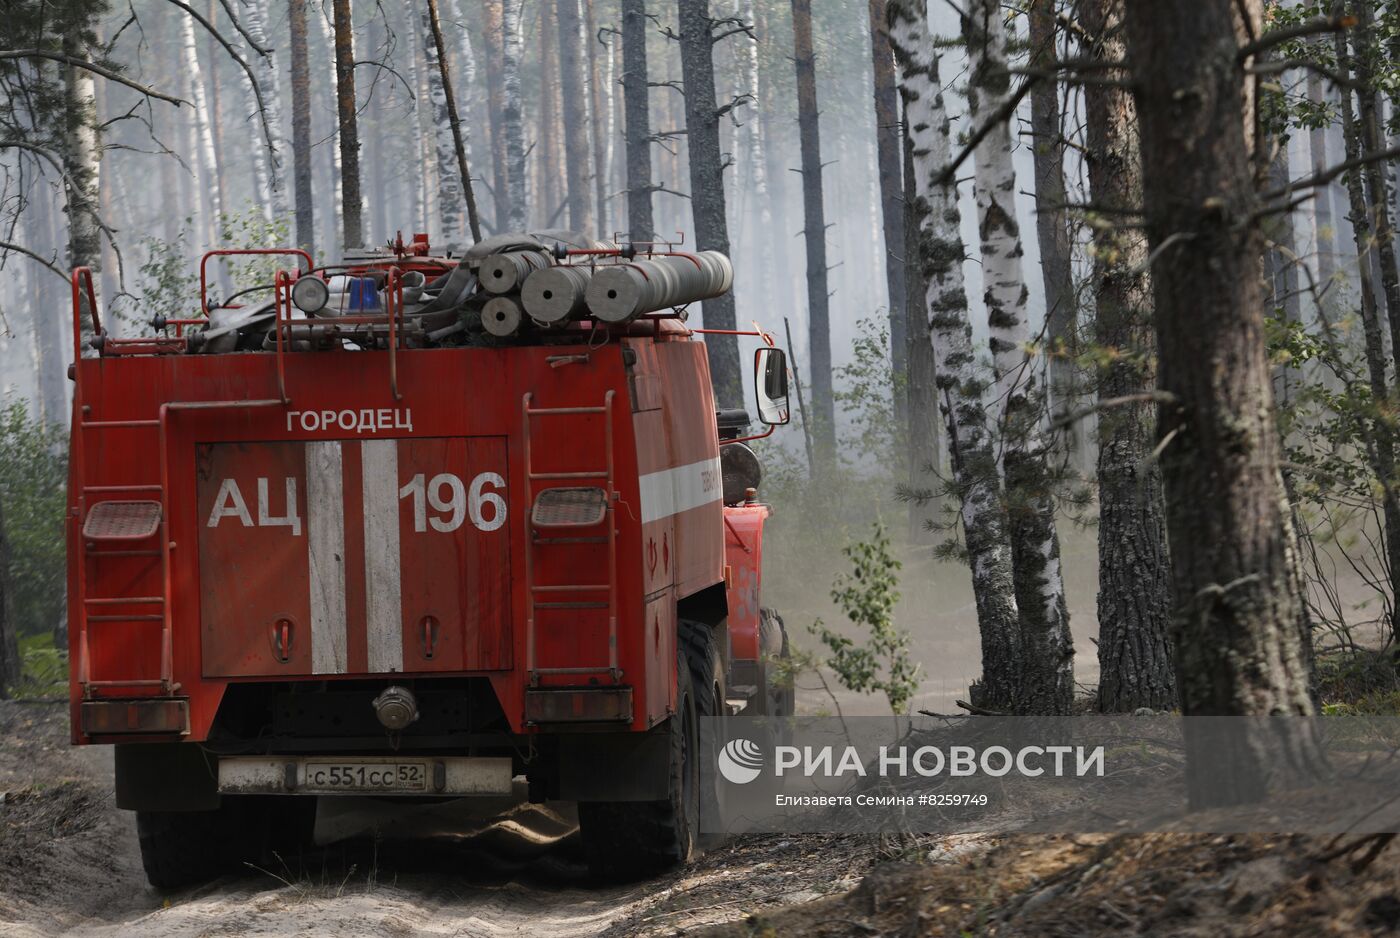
<point x="375" y="556"/>
<point x="358" y="775"/>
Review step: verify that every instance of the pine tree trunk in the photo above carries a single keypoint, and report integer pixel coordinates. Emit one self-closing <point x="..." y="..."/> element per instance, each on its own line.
<point x="959" y="380"/>
<point x="823" y="412"/>
<point x="636" y="112"/>
<point x="554" y="188"/>
<point x="921" y="391"/>
<point x="1378" y="362"/>
<point x="9" y="637"/>
<point x="349" y="131"/>
<point x="450" y="200"/>
<point x="756" y="163"/>
<point x="574" y="96"/>
<point x="1135" y="599"/>
<point x="1237" y="613"/>
<point x="493" y="31"/>
<point x="888" y="164"/>
<point x="301" y="127"/>
<point x="1053" y="235"/>
<point x="512" y="115"/>
<point x="82" y="152"/>
<point x="1048" y="662"/>
<point x="601" y="103"/>
<point x="707" y="189"/>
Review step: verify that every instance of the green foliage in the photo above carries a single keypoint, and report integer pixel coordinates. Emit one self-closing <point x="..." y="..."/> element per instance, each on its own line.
<point x="33" y="483"/>
<point x="32" y="105"/>
<point x="865" y="392"/>
<point x="43" y="668"/>
<point x="867" y="596"/>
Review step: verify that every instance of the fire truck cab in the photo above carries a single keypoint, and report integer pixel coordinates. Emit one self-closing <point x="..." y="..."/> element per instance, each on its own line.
<point x="332" y="537"/>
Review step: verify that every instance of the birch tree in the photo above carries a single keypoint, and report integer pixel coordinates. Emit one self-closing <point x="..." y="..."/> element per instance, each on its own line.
<point x="960" y="382"/>
<point x="707" y="203"/>
<point x="451" y="199"/>
<point x="1134" y="602"/>
<point x="577" y="113"/>
<point x="1048" y="663"/>
<point x="82" y="165"/>
<point x="888" y="163"/>
<point x="493" y="31"/>
<point x="270" y="166"/>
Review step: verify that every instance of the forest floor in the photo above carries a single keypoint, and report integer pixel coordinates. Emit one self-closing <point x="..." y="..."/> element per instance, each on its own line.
<point x="69" y="865"/>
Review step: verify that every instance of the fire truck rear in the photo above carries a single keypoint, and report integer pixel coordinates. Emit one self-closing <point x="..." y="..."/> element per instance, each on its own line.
<point x="404" y="526"/>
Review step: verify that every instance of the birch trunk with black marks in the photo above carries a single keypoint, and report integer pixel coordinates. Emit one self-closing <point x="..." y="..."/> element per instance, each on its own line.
<point x="82" y="154"/>
<point x="211" y="208"/>
<point x="823" y="402"/>
<point x="707" y="188"/>
<point x="1236" y="627"/>
<point x="888" y="163"/>
<point x="552" y="194"/>
<point x="1047" y="673"/>
<point x="450" y="197"/>
<point x="1324" y="230"/>
<point x="455" y="129"/>
<point x="960" y="382"/>
<point x="754" y="148"/>
<point x="353" y="233"/>
<point x="921" y="391"/>
<point x="575" y="98"/>
<point x="1053" y="235"/>
<point x="636" y="116"/>
<point x="265" y="69"/>
<point x="1379" y="364"/>
<point x="1135" y="589"/>
<point x="512" y="115"/>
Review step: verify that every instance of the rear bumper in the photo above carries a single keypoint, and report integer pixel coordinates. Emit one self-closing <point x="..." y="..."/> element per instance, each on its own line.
<point x="405" y="775"/>
<point x="125" y="717"/>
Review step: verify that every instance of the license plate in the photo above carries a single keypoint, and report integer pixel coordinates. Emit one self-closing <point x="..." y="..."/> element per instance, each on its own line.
<point x="366" y="776"/>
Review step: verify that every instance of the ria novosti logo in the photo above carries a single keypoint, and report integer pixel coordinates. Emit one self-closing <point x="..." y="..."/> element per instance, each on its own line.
<point x="740" y="761"/>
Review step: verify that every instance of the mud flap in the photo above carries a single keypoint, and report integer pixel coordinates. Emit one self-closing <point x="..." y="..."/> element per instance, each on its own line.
<point x="615" y="766"/>
<point x="165" y="777"/>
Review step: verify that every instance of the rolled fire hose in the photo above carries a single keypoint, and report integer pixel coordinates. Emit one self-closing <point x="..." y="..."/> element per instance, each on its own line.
<point x="622" y="292"/>
<point x="501" y="316"/>
<point x="556" y="294"/>
<point x="504" y="273"/>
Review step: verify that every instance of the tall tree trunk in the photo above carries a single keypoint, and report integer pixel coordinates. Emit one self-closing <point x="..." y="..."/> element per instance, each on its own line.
<point x="454" y="130"/>
<point x="814" y="233"/>
<point x="51" y="338"/>
<point x="216" y="134"/>
<point x="574" y="95"/>
<point x="1048" y="650"/>
<point x="271" y="161"/>
<point x="1324" y="232"/>
<point x="756" y="161"/>
<point x="512" y="115"/>
<point x="1134" y="604"/>
<point x="707" y="188"/>
<point x="888" y="162"/>
<point x="554" y="189"/>
<point x="9" y="637"/>
<point x="1378" y="363"/>
<point x="301" y="127"/>
<point x="493" y="31"/>
<point x="449" y="198"/>
<point x="82" y="152"/>
<point x="1052" y="231"/>
<point x="601" y="101"/>
<point x="959" y="380"/>
<point x="636" y="113"/>
<point x="349" y="131"/>
<point x="1237" y="613"/>
<point x="921" y="391"/>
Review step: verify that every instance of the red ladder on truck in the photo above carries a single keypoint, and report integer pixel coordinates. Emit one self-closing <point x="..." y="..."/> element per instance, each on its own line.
<point x="563" y="510"/>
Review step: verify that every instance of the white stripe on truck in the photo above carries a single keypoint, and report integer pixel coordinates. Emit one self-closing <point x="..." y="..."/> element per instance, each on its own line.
<point x="672" y="491"/>
<point x="325" y="527"/>
<point x="383" y="602"/>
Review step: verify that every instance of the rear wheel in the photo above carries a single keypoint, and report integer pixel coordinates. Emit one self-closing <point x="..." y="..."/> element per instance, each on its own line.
<point x="628" y="840"/>
<point x="185" y="848"/>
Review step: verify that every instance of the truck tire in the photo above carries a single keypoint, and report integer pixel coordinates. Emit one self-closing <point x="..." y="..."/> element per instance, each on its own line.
<point x="779" y="692"/>
<point x="631" y="840"/>
<point x="185" y="848"/>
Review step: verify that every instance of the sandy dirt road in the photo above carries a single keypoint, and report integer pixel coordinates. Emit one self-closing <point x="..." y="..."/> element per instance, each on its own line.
<point x="69" y="866"/>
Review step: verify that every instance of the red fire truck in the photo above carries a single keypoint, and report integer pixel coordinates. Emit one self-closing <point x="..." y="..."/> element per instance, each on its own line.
<point x="320" y="549"/>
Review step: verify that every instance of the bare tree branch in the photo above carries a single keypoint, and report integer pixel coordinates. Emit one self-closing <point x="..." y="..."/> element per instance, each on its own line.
<point x="93" y="67"/>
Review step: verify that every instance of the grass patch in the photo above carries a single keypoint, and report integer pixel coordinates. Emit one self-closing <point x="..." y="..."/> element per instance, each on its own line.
<point x="43" y="668"/>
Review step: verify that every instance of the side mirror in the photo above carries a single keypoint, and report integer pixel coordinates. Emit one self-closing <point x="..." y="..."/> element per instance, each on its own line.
<point x="771" y="385"/>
